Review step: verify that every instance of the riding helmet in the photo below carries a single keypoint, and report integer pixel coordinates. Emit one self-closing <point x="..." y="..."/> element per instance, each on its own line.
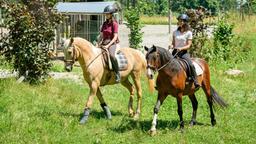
<point x="110" y="9"/>
<point x="183" y="17"/>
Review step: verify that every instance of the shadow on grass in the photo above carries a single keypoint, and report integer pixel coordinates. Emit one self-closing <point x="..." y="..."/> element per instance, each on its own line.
<point x="101" y="114"/>
<point x="129" y="124"/>
<point x="95" y="114"/>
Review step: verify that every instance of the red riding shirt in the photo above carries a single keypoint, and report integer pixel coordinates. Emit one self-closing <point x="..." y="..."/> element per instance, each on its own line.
<point x="108" y="29"/>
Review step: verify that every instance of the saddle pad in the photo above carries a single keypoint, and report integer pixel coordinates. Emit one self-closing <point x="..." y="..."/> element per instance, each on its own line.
<point x="199" y="70"/>
<point x="122" y="61"/>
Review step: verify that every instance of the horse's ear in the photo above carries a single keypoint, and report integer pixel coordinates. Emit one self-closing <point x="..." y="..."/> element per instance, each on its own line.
<point x="154" y="48"/>
<point x="71" y="41"/>
<point x="146" y="48"/>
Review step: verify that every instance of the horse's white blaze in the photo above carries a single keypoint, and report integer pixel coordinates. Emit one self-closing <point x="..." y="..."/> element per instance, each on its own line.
<point x="149" y="72"/>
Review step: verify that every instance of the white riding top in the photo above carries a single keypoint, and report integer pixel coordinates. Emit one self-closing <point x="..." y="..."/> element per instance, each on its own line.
<point x="181" y="38"/>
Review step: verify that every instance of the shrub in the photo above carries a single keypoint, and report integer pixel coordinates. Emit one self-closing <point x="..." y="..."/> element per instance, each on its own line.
<point x="31" y="30"/>
<point x="199" y="29"/>
<point x="226" y="47"/>
<point x="134" y="23"/>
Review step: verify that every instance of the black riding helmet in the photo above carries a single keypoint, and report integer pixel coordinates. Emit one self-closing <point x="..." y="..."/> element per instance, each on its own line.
<point x="183" y="17"/>
<point x="110" y="9"/>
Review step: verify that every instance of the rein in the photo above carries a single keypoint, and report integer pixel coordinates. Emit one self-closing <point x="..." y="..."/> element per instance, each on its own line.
<point x="167" y="62"/>
<point x="104" y="51"/>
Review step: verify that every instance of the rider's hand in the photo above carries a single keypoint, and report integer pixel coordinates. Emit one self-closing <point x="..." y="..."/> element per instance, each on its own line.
<point x="177" y="49"/>
<point x="105" y="46"/>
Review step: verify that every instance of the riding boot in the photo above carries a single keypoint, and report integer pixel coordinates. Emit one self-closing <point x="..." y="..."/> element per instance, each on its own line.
<point x="116" y="69"/>
<point x="194" y="76"/>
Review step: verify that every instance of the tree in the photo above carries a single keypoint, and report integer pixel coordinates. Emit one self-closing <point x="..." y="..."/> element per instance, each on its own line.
<point x="31" y="28"/>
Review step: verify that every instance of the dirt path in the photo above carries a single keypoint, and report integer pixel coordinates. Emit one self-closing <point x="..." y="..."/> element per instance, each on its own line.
<point x="152" y="34"/>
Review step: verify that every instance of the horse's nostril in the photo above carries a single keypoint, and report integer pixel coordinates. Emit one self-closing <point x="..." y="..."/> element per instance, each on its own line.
<point x="68" y="69"/>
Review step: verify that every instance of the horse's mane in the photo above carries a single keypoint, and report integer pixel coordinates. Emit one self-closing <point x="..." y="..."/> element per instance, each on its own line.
<point x="82" y="41"/>
<point x="166" y="56"/>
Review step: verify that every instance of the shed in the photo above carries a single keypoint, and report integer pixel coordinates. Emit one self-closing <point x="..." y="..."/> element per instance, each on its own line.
<point x="83" y="19"/>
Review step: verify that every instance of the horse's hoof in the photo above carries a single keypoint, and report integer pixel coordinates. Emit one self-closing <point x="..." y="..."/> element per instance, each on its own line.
<point x="131" y="114"/>
<point x="192" y="123"/>
<point x="152" y="132"/>
<point x="136" y="116"/>
<point x="181" y="130"/>
<point x="83" y="121"/>
<point x="213" y="122"/>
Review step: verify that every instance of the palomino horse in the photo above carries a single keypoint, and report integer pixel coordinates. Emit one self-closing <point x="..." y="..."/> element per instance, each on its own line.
<point x="172" y="79"/>
<point x="96" y="73"/>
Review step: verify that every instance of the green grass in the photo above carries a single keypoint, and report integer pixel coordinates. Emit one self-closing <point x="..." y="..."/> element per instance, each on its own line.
<point x="49" y="113"/>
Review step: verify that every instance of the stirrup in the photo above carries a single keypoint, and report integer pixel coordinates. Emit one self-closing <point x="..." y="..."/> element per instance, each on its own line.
<point x="197" y="85"/>
<point x="118" y="78"/>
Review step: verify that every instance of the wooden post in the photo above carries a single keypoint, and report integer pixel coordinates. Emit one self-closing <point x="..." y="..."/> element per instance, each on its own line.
<point x="133" y="3"/>
<point x="1" y="23"/>
<point x="170" y="17"/>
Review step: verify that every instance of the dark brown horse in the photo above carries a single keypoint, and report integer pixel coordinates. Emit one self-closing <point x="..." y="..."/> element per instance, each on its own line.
<point x="172" y="79"/>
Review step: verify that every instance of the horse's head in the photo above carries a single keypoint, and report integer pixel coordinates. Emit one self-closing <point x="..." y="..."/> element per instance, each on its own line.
<point x="69" y="54"/>
<point x="153" y="60"/>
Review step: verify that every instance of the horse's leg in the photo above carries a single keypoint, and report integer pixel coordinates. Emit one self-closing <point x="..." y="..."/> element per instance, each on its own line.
<point x="180" y="112"/>
<point x="103" y="104"/>
<point x="194" y="105"/>
<point x="207" y="90"/>
<point x="159" y="102"/>
<point x="93" y="90"/>
<point x="130" y="88"/>
<point x="136" y="79"/>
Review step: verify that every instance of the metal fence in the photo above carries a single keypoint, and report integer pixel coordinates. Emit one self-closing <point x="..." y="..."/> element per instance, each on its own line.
<point x="76" y="25"/>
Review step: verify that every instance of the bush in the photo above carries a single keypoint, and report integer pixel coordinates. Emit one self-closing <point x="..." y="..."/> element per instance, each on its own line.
<point x="134" y="23"/>
<point x="226" y="47"/>
<point x="199" y="30"/>
<point x="31" y="30"/>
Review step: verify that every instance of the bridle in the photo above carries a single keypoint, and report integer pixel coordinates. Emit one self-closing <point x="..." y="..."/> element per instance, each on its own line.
<point x="155" y="69"/>
<point x="72" y="61"/>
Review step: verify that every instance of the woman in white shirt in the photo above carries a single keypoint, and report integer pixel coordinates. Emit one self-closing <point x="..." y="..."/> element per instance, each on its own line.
<point x="181" y="42"/>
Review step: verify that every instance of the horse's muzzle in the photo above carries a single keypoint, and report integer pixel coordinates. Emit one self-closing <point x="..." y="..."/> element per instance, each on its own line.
<point x="68" y="68"/>
<point x="150" y="73"/>
<point x="151" y="76"/>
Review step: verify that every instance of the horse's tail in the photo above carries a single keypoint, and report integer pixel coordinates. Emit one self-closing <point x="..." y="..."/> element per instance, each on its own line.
<point x="151" y="85"/>
<point x="217" y="99"/>
<point x="143" y="58"/>
<point x="151" y="82"/>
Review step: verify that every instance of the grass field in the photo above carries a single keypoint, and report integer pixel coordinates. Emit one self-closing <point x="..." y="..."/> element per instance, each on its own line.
<point x="50" y="113"/>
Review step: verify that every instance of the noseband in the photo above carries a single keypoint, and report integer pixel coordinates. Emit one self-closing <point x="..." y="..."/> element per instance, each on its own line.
<point x="72" y="61"/>
<point x="155" y="69"/>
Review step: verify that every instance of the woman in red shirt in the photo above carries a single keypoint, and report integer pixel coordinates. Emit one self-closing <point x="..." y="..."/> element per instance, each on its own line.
<point x="109" y="37"/>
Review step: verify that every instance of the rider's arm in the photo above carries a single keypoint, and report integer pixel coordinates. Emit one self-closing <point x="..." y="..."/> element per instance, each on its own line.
<point x="99" y="40"/>
<point x="173" y="42"/>
<point x="187" y="46"/>
<point x="112" y="41"/>
<point x="189" y="38"/>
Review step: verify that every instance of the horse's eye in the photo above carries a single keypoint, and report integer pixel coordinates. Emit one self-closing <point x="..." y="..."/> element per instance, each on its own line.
<point x="69" y="51"/>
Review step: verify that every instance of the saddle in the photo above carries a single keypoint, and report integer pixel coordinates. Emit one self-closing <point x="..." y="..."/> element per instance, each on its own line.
<point x="186" y="67"/>
<point x="121" y="60"/>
